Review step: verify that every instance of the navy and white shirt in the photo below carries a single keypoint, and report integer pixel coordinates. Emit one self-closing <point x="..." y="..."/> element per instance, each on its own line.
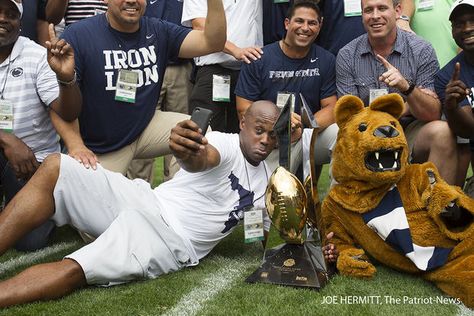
<point x="313" y="76"/>
<point x="100" y="52"/>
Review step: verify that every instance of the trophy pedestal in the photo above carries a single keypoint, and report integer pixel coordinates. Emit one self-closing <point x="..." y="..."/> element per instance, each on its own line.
<point x="292" y="265"/>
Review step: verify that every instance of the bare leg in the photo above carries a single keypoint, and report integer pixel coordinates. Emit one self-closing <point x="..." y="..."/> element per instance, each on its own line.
<point x="42" y="282"/>
<point x="435" y="142"/>
<point x="32" y="206"/>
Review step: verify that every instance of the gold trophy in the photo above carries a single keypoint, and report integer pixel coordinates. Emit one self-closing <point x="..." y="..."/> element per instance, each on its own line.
<point x="293" y="209"/>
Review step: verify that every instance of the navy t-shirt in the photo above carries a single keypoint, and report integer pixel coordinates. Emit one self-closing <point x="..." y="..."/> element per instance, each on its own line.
<point x="274" y="15"/>
<point x="168" y="10"/>
<point x="314" y="76"/>
<point x="33" y="10"/>
<point x="337" y="30"/>
<point x="467" y="76"/>
<point x="100" y="51"/>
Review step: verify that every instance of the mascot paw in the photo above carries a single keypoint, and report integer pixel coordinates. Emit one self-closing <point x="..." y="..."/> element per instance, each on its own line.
<point x="354" y="262"/>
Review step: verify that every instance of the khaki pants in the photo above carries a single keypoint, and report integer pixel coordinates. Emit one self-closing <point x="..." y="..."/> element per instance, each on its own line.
<point x="153" y="142"/>
<point x="174" y="96"/>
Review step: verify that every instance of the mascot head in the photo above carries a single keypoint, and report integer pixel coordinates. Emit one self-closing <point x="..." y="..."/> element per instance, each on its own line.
<point x="371" y="147"/>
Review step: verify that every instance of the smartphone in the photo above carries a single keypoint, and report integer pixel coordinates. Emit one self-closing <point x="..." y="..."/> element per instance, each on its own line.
<point x="201" y="117"/>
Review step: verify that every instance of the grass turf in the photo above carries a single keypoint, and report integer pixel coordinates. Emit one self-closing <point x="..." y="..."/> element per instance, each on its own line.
<point x="217" y="287"/>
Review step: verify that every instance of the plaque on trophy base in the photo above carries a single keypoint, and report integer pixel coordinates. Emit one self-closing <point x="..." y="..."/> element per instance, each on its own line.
<point x="291" y="209"/>
<point x="292" y="265"/>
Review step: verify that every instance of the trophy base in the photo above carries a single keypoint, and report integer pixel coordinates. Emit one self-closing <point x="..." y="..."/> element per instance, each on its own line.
<point x="293" y="265"/>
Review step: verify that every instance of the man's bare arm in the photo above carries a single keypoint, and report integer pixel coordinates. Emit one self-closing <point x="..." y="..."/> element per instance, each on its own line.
<point x="71" y="136"/>
<point x="61" y="61"/>
<point x="55" y="10"/>
<point x="242" y="105"/>
<point x="408" y="9"/>
<point x="211" y="38"/>
<point x="246" y="54"/>
<point x="460" y="118"/>
<point x="423" y="106"/>
<point x="325" y="116"/>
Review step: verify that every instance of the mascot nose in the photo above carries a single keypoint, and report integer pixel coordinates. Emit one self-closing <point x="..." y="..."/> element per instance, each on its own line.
<point x="386" y="131"/>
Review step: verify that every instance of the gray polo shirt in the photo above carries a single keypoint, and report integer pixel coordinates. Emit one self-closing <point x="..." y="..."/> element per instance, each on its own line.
<point x="358" y="70"/>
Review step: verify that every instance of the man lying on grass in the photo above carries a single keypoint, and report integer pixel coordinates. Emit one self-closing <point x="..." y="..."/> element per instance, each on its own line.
<point x="142" y="233"/>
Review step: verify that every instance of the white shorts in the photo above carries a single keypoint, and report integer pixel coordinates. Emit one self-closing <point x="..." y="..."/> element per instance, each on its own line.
<point x="134" y="242"/>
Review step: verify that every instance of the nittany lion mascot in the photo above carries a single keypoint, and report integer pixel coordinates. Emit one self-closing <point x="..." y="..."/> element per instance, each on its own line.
<point x="402" y="215"/>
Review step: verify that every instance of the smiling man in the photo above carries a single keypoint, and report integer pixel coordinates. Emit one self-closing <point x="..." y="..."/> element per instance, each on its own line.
<point x="455" y="81"/>
<point x="390" y="60"/>
<point x="115" y="63"/>
<point x="295" y="64"/>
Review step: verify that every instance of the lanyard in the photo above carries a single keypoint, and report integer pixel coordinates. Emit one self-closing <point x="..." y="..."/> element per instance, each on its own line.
<point x="248" y="179"/>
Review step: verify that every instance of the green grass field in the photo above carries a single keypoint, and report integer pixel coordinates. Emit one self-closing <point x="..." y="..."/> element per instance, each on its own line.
<point x="216" y="287"/>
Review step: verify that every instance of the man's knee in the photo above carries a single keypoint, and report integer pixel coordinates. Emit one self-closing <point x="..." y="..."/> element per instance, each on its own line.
<point x="72" y="271"/>
<point x="50" y="167"/>
<point x="437" y="134"/>
<point x="52" y="162"/>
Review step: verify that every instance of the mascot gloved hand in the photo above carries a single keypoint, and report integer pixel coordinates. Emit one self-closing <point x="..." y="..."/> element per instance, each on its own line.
<point x="403" y="215"/>
<point x="354" y="262"/>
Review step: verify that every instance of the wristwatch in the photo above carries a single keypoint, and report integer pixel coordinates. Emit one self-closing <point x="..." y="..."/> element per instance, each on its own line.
<point x="404" y="18"/>
<point x="411" y="87"/>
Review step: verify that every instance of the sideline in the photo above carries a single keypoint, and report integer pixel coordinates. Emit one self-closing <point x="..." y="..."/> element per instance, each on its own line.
<point x="34" y="257"/>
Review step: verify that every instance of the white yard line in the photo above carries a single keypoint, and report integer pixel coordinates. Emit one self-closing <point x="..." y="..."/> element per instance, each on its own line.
<point x="34" y="257"/>
<point x="194" y="301"/>
<point x="464" y="311"/>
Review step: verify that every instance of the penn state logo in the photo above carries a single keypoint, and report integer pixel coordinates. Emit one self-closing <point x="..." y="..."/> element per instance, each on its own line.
<point x="245" y="201"/>
<point x="17" y="72"/>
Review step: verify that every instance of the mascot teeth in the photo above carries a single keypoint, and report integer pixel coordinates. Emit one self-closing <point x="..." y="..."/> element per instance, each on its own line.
<point x="383" y="160"/>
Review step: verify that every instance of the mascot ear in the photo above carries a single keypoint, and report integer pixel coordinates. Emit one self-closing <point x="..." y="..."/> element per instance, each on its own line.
<point x="346" y="107"/>
<point x="390" y="103"/>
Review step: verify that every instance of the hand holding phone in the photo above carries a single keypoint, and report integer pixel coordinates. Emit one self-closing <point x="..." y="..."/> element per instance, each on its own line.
<point x="201" y="117"/>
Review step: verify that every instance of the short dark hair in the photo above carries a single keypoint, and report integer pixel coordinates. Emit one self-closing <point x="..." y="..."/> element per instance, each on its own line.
<point x="311" y="4"/>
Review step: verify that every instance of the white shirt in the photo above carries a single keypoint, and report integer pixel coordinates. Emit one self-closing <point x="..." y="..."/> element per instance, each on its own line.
<point x="29" y="83"/>
<point x="198" y="206"/>
<point x="244" y="27"/>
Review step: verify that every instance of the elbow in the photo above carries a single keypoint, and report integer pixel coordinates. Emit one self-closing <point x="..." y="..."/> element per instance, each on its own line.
<point x="219" y="43"/>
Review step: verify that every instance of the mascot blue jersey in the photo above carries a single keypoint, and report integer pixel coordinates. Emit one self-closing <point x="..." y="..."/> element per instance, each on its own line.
<point x="100" y="52"/>
<point x="314" y="76"/>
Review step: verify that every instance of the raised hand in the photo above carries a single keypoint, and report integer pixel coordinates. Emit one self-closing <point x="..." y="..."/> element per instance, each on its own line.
<point x="186" y="140"/>
<point x="456" y="90"/>
<point x="60" y="56"/>
<point x="392" y="77"/>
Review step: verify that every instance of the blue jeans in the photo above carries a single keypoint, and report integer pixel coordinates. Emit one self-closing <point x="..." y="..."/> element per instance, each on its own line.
<point x="37" y="238"/>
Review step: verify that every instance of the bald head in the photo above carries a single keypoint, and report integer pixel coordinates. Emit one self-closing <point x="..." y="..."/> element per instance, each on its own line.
<point x="257" y="138"/>
<point x="263" y="107"/>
